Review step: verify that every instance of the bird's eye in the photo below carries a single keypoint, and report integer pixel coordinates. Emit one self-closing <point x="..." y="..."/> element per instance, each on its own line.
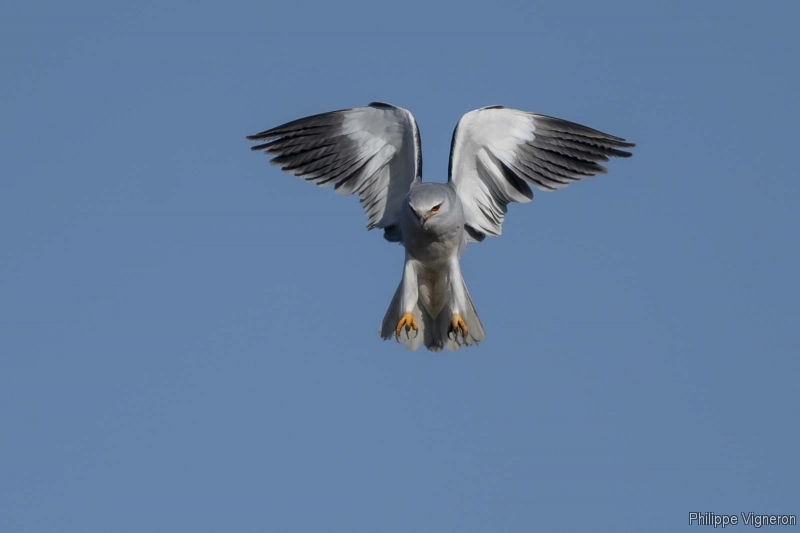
<point x="436" y="208"/>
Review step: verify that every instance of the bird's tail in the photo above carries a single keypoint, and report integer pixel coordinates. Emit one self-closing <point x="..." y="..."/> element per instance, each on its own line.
<point x="434" y="332"/>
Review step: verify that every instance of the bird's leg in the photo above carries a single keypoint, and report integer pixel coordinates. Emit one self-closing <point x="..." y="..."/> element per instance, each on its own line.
<point x="408" y="323"/>
<point x="457" y="328"/>
<point x="408" y="300"/>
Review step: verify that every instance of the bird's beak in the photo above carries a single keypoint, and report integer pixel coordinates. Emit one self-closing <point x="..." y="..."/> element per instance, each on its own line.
<point x="423" y="218"/>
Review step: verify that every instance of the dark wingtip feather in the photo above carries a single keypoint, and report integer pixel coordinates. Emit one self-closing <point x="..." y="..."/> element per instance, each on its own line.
<point x="259" y="147"/>
<point x="622" y="143"/>
<point x="560" y="124"/>
<point x="266" y="134"/>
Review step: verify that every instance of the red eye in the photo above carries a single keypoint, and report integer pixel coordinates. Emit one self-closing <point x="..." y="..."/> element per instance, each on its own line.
<point x="436" y="208"/>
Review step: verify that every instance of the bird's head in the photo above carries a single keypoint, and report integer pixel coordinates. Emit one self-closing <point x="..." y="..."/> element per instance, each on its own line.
<point x="426" y="202"/>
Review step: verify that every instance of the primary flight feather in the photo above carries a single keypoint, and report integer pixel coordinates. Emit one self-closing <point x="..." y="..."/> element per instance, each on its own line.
<point x="496" y="154"/>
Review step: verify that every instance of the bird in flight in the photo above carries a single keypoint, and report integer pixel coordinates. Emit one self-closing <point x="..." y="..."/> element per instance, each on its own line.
<point x="496" y="154"/>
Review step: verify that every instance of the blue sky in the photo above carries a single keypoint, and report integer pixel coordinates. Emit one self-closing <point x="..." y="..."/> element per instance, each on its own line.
<point x="189" y="337"/>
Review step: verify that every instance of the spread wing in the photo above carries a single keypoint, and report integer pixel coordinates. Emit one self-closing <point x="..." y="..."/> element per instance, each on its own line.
<point x="373" y="151"/>
<point x="498" y="152"/>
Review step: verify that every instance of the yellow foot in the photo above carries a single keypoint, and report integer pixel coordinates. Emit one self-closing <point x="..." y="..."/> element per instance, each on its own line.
<point x="406" y="321"/>
<point x="458" y="328"/>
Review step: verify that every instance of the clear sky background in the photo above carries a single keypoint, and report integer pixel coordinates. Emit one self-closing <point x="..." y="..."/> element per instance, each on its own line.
<point x="189" y="336"/>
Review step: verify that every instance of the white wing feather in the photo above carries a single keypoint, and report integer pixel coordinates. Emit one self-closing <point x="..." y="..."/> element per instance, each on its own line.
<point x="498" y="152"/>
<point x="373" y="151"/>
